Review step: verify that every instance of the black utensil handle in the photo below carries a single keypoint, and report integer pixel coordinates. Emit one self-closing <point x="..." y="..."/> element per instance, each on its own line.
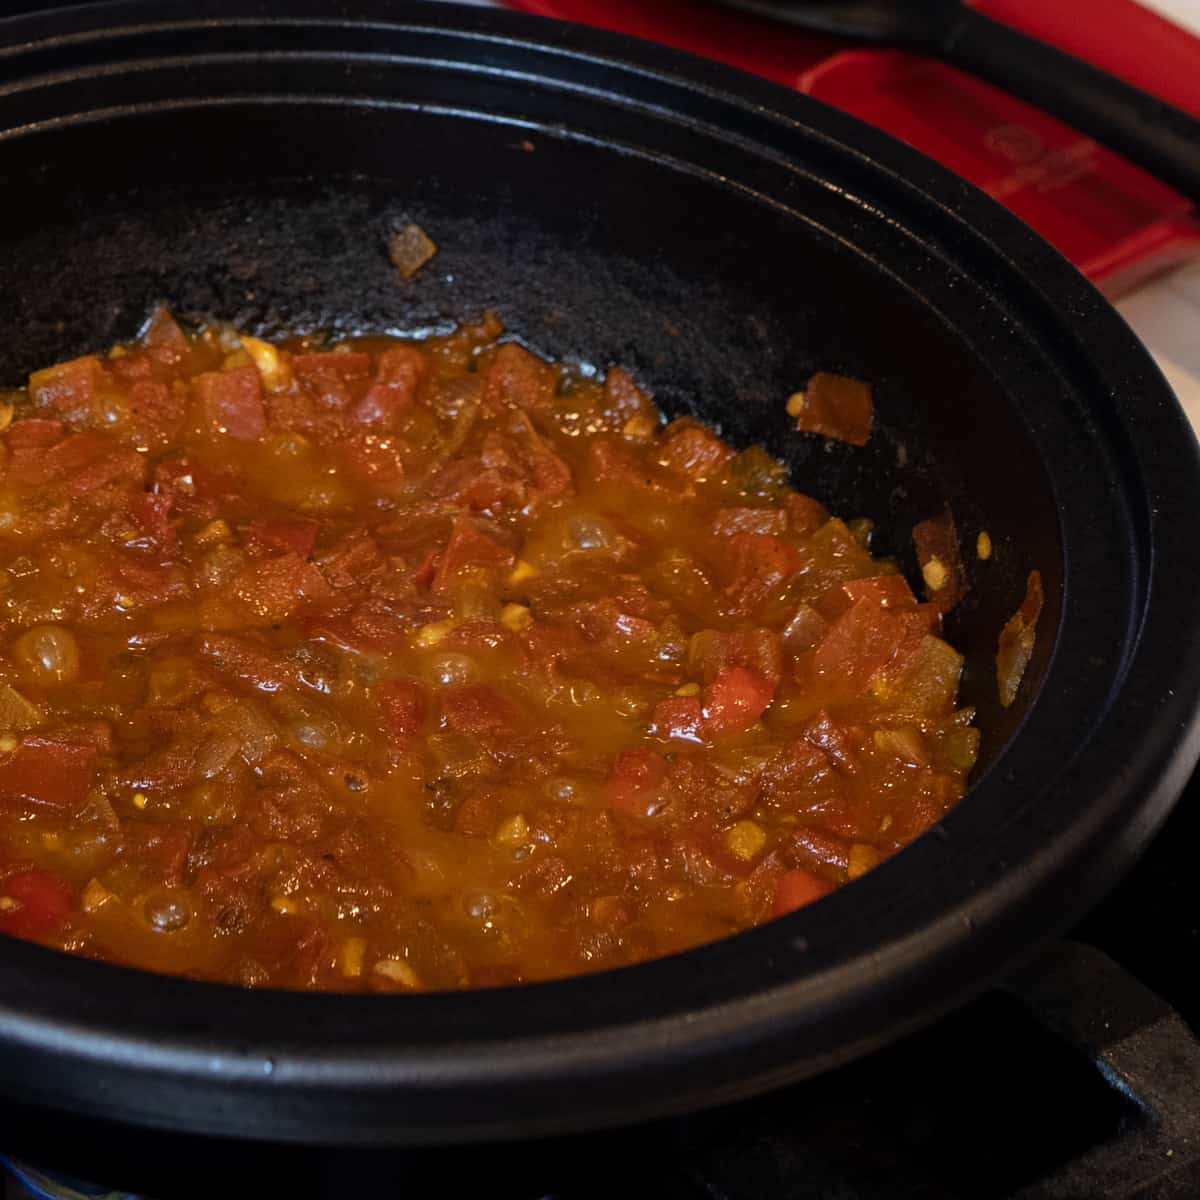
<point x="1143" y="1048"/>
<point x="1149" y="132"/>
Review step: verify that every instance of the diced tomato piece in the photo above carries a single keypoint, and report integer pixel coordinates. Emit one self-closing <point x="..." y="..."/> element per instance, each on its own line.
<point x="735" y="700"/>
<point x="478" y="814"/>
<point x="382" y="407"/>
<point x="836" y="739"/>
<point x="550" y="476"/>
<point x="163" y="338"/>
<point x="147" y="583"/>
<point x="477" y="708"/>
<point x="399" y="373"/>
<point x="96" y="734"/>
<point x="622" y="396"/>
<point x="352" y="561"/>
<point x="760" y="564"/>
<point x="607" y="621"/>
<point x="861" y="641"/>
<point x="727" y="522"/>
<point x="36" y="465"/>
<point x="333" y="379"/>
<point x="33" y="903"/>
<point x="475" y="636"/>
<point x="161" y="850"/>
<point x="518" y="379"/>
<point x="804" y="514"/>
<point x="125" y="467"/>
<point x="612" y="460"/>
<point x="374" y="458"/>
<point x="157" y="410"/>
<point x="469" y="546"/>
<point x="294" y="410"/>
<point x="688" y="447"/>
<point x="352" y="364"/>
<point x="795" y="889"/>
<point x="546" y="646"/>
<point x="489" y="492"/>
<point x="131" y="368"/>
<point x="765" y="556"/>
<point x="821" y="850"/>
<point x="34" y="433"/>
<point x="150" y="513"/>
<point x="380" y="626"/>
<point x="66" y="458"/>
<point x="48" y="773"/>
<point x="923" y="617"/>
<point x="193" y="486"/>
<point x="169" y="767"/>
<point x="636" y="775"/>
<point x="426" y="570"/>
<point x="232" y="402"/>
<point x="245" y="660"/>
<point x="888" y="591"/>
<point x="679" y="717"/>
<point x="69" y="389"/>
<point x="296" y="535"/>
<point x="402" y="366"/>
<point x="273" y="588"/>
<point x="404" y="704"/>
<point x="757" y="649"/>
<point x="836" y="406"/>
<point x="805" y="630"/>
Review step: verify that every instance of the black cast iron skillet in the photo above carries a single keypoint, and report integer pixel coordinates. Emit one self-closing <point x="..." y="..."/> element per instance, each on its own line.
<point x="723" y="238"/>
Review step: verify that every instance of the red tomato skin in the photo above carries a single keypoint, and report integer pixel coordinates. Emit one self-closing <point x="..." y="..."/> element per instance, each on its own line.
<point x="42" y="903"/>
<point x="400" y="372"/>
<point x="735" y="700"/>
<point x="517" y="379"/>
<point x="352" y="364"/>
<point x="636" y="773"/>
<point x="34" y="433"/>
<point x="283" y="534"/>
<point x="404" y="705"/>
<point x="679" y="717"/>
<point x="469" y="547"/>
<point x="47" y="773"/>
<point x="862" y="641"/>
<point x="68" y="389"/>
<point x="232" y="402"/>
<point x="888" y="591"/>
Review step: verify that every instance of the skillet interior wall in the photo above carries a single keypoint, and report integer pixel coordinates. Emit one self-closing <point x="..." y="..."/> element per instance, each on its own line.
<point x="282" y="227"/>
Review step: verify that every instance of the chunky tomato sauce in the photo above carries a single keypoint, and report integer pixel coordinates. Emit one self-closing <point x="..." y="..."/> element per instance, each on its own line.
<point x="393" y="666"/>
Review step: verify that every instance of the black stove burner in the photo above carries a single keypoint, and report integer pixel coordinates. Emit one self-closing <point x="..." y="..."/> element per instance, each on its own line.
<point x="1075" y="1082"/>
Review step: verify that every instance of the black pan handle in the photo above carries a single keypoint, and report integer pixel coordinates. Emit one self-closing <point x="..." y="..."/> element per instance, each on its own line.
<point x="1155" y="135"/>
<point x="1145" y="1050"/>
